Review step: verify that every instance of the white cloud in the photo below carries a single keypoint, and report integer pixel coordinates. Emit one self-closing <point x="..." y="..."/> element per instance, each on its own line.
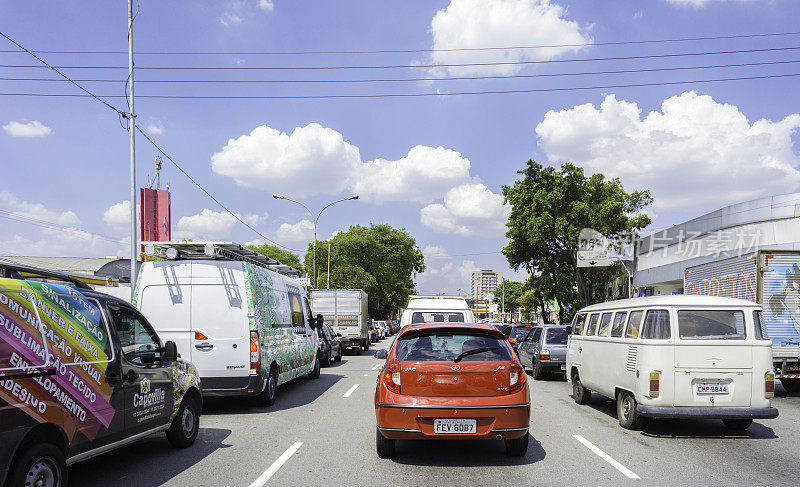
<point x="296" y="232"/>
<point x="702" y="3"/>
<point x="118" y="216"/>
<point x="266" y="5"/>
<point x="37" y="211"/>
<point x="424" y="175"/>
<point x="63" y="242"/>
<point x="501" y="23"/>
<point x="312" y="160"/>
<point x="30" y="129"/>
<point x="694" y="153"/>
<point x="434" y="252"/>
<point x="470" y="209"/>
<point x="156" y="128"/>
<point x="229" y="18"/>
<point x="212" y="225"/>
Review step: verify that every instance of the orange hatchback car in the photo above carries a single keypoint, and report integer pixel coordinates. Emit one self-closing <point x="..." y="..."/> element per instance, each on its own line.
<point x="451" y="381"/>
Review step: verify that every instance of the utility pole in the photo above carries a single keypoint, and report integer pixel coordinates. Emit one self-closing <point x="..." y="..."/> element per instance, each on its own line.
<point x="132" y="130"/>
<point x="328" y="280"/>
<point x="503" y="305"/>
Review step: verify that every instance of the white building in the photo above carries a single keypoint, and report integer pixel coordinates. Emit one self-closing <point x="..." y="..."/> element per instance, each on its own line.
<point x="484" y="282"/>
<point x="771" y="223"/>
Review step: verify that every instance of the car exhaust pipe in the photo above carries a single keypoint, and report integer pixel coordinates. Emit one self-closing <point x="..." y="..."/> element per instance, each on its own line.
<point x="498" y="436"/>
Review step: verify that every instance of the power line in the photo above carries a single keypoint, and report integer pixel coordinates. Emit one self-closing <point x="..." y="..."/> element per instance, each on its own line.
<point x="170" y="159"/>
<point x="90" y="94"/>
<point x="409" y="51"/>
<point x="446" y="78"/>
<point x="412" y="95"/>
<point x="405" y="66"/>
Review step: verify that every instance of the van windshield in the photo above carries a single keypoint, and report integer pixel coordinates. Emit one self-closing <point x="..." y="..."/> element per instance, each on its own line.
<point x="437" y="317"/>
<point x="711" y="324"/>
<point x="444" y="346"/>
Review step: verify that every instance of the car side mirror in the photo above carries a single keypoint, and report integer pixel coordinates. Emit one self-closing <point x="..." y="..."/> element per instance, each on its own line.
<point x="170" y="352"/>
<point x="381" y="354"/>
<point x="569" y="330"/>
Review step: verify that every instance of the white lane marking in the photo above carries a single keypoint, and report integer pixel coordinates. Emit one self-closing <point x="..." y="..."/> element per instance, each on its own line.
<point x="262" y="480"/>
<point x="376" y="366"/>
<point x="350" y="391"/>
<point x="600" y="453"/>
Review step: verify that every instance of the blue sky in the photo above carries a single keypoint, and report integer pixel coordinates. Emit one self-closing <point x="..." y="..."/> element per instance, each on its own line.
<point x="698" y="147"/>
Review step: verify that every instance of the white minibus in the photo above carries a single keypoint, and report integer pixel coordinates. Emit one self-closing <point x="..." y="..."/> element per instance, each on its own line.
<point x="674" y="357"/>
<point x="436" y="309"/>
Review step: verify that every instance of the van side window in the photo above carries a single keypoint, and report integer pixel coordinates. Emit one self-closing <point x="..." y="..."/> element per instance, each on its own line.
<point x="605" y="325"/>
<point x="591" y="330"/>
<point x="760" y="326"/>
<point x="139" y="343"/>
<point x="634" y="323"/>
<point x="656" y="325"/>
<point x="579" y="324"/>
<point x="619" y="323"/>
<point x="297" y="310"/>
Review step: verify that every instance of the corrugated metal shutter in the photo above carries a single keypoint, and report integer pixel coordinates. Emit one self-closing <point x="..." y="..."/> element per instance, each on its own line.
<point x="781" y="293"/>
<point x="735" y="277"/>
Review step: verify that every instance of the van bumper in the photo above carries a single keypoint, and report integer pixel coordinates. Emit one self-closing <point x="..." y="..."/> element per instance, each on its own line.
<point x="707" y="412"/>
<point x="233" y="386"/>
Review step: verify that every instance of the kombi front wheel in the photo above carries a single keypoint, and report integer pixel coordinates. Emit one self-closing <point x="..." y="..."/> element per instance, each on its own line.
<point x="186" y="424"/>
<point x="629" y="417"/>
<point x="581" y="394"/>
<point x="38" y="464"/>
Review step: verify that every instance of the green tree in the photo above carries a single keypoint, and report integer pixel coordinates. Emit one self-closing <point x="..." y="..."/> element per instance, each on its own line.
<point x="513" y="292"/>
<point x="282" y="256"/>
<point x="389" y="255"/>
<point x="530" y="302"/>
<point x="549" y="209"/>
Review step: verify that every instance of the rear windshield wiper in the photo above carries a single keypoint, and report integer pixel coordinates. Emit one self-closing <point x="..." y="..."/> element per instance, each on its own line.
<point x="473" y="352"/>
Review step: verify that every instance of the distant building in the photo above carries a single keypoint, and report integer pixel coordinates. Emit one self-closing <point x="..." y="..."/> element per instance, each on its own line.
<point x="484" y="282"/>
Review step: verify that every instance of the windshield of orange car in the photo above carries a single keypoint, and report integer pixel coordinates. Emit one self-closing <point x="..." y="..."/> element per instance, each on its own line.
<point x="447" y="346"/>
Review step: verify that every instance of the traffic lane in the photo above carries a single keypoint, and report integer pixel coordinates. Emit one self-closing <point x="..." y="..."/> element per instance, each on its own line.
<point x="701" y="450"/>
<point x="343" y="452"/>
<point x="237" y="441"/>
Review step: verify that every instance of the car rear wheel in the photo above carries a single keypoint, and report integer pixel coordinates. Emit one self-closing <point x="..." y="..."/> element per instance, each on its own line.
<point x="338" y="356"/>
<point x="38" y="464"/>
<point x="629" y="418"/>
<point x="314" y="374"/>
<point x="792" y="386"/>
<point x="538" y="373"/>
<point x="270" y="392"/>
<point x="185" y="425"/>
<point x="517" y="447"/>
<point x="737" y="424"/>
<point x="383" y="445"/>
<point x="581" y="394"/>
<point x="327" y="361"/>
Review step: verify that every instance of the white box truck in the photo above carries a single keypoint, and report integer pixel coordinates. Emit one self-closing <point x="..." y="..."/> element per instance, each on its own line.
<point x="771" y="278"/>
<point x="346" y="311"/>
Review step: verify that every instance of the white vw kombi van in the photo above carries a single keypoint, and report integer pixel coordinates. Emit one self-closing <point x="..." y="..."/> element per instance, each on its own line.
<point x="674" y="357"/>
<point x="246" y="327"/>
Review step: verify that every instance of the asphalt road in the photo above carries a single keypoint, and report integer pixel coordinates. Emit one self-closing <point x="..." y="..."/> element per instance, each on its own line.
<point x="314" y="435"/>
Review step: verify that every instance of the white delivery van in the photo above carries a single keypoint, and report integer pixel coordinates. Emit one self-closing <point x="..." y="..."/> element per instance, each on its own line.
<point x="246" y="327"/>
<point x="674" y="357"/>
<point x="436" y="309"/>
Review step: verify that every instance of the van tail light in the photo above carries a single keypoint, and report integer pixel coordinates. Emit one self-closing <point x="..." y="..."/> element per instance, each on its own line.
<point x="391" y="377"/>
<point x="516" y="378"/>
<point x="769" y="385"/>
<point x="544" y="355"/>
<point x="255" y="351"/>
<point x="199" y="336"/>
<point x="655" y="383"/>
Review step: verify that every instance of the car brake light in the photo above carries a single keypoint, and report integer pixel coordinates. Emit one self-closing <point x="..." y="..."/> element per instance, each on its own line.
<point x="544" y="355"/>
<point x="391" y="377"/>
<point x="516" y="378"/>
<point x="655" y="383"/>
<point x="769" y="384"/>
<point x="512" y="340"/>
<point x="255" y="351"/>
<point x="199" y="336"/>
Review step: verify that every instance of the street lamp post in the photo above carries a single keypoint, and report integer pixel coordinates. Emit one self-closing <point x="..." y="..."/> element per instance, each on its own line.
<point x="316" y="218"/>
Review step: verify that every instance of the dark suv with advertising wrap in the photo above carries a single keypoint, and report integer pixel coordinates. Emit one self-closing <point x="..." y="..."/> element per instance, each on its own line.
<point x="81" y="373"/>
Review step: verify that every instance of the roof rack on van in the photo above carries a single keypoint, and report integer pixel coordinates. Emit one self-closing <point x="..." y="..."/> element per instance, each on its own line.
<point x="215" y="251"/>
<point x="14" y="271"/>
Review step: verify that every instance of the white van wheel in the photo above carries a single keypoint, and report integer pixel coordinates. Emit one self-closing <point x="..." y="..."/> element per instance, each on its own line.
<point x="270" y="392"/>
<point x="314" y="374"/>
<point x="627" y="415"/>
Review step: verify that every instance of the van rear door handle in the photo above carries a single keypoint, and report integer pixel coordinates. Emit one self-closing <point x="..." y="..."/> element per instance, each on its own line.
<point x="204" y="346"/>
<point x="580" y="349"/>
